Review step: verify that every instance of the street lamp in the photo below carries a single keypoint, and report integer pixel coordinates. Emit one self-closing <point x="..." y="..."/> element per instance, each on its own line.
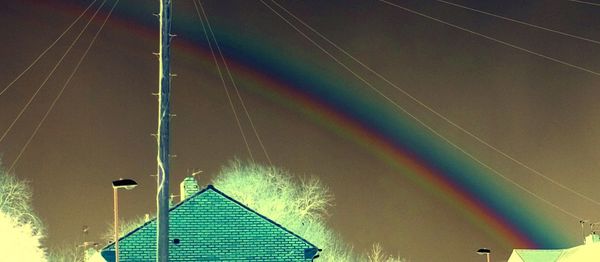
<point x="126" y="184"/>
<point x="486" y="252"/>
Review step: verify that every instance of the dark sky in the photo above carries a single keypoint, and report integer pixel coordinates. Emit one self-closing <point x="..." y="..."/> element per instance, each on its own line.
<point x="541" y="112"/>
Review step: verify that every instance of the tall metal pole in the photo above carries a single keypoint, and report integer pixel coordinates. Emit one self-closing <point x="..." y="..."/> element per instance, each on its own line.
<point x="116" y="212"/>
<point x="164" y="86"/>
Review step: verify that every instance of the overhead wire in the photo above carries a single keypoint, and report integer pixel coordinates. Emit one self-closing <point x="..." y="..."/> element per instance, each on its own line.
<point x="47" y="48"/>
<point x="58" y="63"/>
<point x="235" y="87"/>
<point x="237" y="119"/>
<point x="584" y="2"/>
<point x="438" y="114"/>
<point x="432" y="130"/>
<point x="492" y="38"/>
<point x="521" y="22"/>
<point x="58" y="96"/>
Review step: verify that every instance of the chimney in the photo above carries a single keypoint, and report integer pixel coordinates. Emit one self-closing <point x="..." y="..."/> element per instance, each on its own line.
<point x="188" y="187"/>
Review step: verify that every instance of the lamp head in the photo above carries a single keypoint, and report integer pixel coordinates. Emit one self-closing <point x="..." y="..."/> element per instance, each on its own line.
<point x="483" y="251"/>
<point x="124" y="183"/>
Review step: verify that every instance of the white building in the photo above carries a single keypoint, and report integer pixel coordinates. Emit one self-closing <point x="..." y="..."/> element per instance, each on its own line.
<point x="588" y="252"/>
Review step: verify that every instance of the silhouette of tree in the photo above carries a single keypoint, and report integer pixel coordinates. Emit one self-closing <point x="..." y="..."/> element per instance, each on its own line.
<point x="15" y="200"/>
<point x="298" y="204"/>
<point x="21" y="230"/>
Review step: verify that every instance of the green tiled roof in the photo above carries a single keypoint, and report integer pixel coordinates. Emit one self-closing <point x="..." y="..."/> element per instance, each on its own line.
<point x="211" y="226"/>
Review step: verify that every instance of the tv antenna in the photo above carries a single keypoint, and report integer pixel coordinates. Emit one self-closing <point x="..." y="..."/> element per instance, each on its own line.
<point x="194" y="172"/>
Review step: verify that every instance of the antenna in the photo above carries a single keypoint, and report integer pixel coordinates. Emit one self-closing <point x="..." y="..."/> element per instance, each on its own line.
<point x="194" y="173"/>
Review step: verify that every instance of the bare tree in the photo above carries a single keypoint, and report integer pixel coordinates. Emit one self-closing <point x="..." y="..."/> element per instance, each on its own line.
<point x="314" y="199"/>
<point x="298" y="204"/>
<point x="15" y="200"/>
<point x="21" y="230"/>
<point x="376" y="254"/>
<point x="66" y="253"/>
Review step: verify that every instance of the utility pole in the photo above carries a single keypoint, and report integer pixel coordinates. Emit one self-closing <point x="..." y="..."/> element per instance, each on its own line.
<point x="162" y="137"/>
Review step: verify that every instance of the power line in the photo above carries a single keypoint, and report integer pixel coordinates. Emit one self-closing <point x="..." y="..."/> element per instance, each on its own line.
<point x="208" y="40"/>
<point x="260" y="142"/>
<point x="496" y="172"/>
<point x="521" y="22"/>
<point x="14" y="163"/>
<point x="51" y="73"/>
<point x="584" y="2"/>
<point x="493" y="39"/>
<point x="436" y="113"/>
<point x="47" y="49"/>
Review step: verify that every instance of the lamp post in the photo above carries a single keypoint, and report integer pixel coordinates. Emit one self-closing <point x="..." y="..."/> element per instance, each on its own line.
<point x="486" y="252"/>
<point x="121" y="183"/>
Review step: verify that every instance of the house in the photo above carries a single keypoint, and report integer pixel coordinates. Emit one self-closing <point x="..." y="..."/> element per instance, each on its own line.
<point x="588" y="252"/>
<point x="208" y="225"/>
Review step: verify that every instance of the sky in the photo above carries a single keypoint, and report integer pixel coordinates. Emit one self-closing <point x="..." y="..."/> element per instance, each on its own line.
<point x="317" y="118"/>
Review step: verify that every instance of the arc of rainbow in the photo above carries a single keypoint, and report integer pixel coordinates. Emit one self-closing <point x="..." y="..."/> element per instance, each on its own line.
<point x="502" y="217"/>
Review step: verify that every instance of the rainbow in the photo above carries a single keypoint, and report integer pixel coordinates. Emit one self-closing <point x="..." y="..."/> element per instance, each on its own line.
<point x="410" y="149"/>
